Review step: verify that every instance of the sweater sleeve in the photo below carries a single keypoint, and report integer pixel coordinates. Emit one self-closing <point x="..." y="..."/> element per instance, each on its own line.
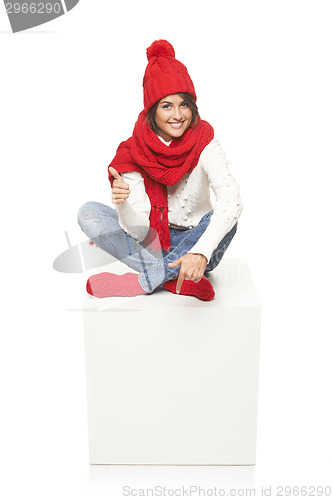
<point x="228" y="205"/>
<point x="134" y="212"/>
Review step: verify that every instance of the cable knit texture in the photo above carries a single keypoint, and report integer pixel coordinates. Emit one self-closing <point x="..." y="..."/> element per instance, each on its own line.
<point x="164" y="74"/>
<point x="190" y="199"/>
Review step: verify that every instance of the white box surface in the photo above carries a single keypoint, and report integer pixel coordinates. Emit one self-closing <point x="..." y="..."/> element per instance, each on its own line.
<point x="172" y="379"/>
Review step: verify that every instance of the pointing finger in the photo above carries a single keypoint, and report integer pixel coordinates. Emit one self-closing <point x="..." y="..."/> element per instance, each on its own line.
<point x="180" y="282"/>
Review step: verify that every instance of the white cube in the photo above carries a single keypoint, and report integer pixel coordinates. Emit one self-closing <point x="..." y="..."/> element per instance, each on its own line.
<point x="172" y="379"/>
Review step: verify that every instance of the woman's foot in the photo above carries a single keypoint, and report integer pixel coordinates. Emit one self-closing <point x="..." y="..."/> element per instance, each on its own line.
<point x="114" y="285"/>
<point x="202" y="290"/>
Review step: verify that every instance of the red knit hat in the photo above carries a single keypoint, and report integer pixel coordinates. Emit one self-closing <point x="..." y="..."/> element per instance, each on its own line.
<point x="164" y="75"/>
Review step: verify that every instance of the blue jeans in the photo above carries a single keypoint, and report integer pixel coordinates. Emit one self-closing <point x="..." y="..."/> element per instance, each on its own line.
<point x="100" y="223"/>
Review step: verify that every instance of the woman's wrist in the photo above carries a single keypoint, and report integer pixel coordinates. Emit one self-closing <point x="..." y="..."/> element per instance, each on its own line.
<point x="200" y="254"/>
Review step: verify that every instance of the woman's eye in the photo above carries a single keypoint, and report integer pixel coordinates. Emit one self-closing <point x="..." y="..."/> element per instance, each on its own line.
<point x="166" y="106"/>
<point x="184" y="104"/>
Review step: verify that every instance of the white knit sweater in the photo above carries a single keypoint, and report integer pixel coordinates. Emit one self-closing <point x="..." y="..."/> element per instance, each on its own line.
<point x="188" y="200"/>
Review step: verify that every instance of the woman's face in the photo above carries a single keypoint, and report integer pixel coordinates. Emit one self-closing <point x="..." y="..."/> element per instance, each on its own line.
<point x="173" y="117"/>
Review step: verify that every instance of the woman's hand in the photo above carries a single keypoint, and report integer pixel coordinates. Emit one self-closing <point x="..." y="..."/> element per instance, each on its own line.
<point x="120" y="190"/>
<point x="193" y="266"/>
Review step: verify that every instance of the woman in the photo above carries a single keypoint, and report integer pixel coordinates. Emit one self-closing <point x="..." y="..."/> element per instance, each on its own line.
<point x="164" y="226"/>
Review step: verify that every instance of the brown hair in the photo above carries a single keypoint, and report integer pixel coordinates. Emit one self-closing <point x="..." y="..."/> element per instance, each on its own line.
<point x="191" y="103"/>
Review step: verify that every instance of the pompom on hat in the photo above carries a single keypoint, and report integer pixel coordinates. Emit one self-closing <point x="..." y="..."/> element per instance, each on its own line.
<point x="164" y="75"/>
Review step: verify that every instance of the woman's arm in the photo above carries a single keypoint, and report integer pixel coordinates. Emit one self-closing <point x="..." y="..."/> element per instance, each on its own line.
<point x="132" y="203"/>
<point x="228" y="206"/>
<point x="227" y="210"/>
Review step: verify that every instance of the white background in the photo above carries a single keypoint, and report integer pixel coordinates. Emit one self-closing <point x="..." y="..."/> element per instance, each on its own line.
<point x="70" y="92"/>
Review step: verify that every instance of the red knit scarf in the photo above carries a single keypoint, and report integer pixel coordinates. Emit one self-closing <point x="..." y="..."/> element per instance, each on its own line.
<point x="160" y="166"/>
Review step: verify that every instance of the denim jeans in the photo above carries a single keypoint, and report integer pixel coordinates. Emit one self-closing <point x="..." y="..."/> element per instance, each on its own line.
<point x="100" y="223"/>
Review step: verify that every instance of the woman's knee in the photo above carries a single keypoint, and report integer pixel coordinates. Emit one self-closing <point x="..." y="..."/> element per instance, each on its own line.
<point x="87" y="212"/>
<point x="232" y="232"/>
<point x="228" y="237"/>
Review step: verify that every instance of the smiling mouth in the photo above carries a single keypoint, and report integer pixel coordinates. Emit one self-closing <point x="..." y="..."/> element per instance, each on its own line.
<point x="176" y="124"/>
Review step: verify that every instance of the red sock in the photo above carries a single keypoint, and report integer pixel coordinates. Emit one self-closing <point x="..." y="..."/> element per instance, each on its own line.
<point x="114" y="285"/>
<point x="203" y="290"/>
